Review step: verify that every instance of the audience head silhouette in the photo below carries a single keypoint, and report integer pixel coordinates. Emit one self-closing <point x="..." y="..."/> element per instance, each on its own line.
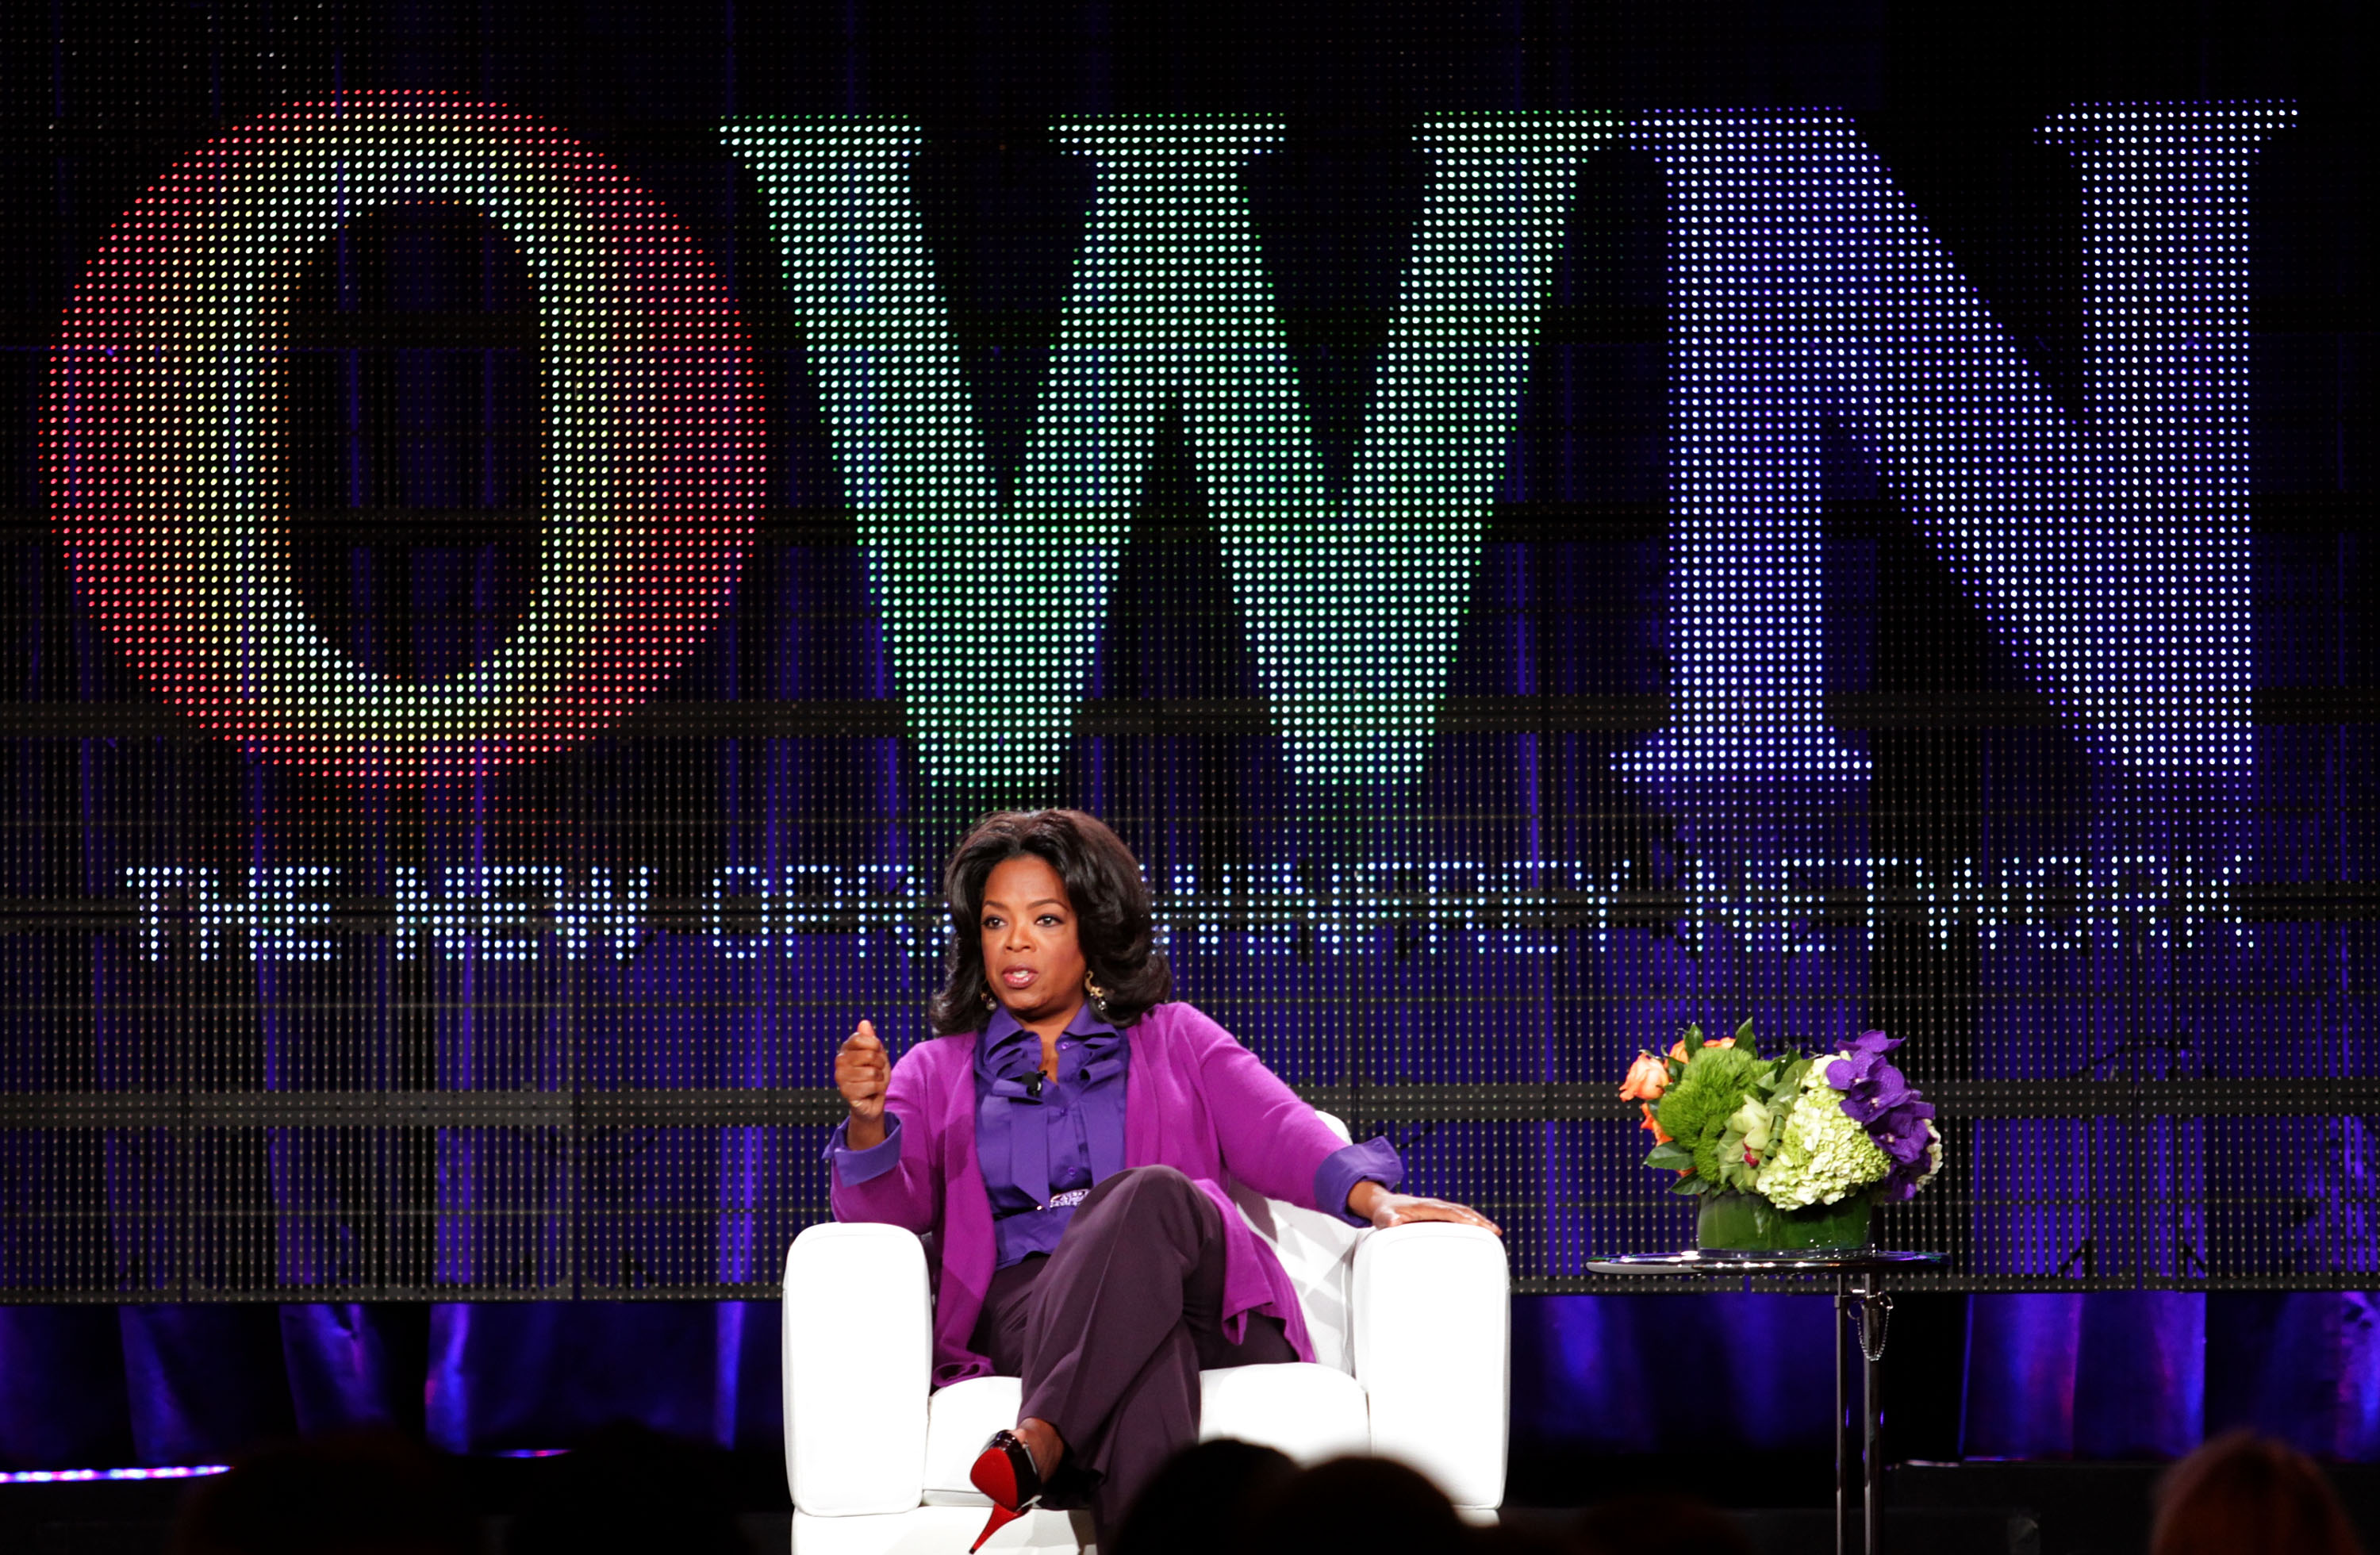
<point x="1371" y="1504"/>
<point x="363" y="1494"/>
<point x="2245" y="1494"/>
<point x="1198" y="1502"/>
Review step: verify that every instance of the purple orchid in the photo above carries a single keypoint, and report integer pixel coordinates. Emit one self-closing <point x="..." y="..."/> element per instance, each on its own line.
<point x="1878" y="1097"/>
<point x="1873" y="1042"/>
<point x="1900" y="1185"/>
<point x="1900" y="1134"/>
<point x="1910" y="1146"/>
<point x="1871" y="1085"/>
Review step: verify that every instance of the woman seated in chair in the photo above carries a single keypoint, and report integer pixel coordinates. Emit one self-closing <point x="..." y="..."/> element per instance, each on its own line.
<point x="1067" y="1137"/>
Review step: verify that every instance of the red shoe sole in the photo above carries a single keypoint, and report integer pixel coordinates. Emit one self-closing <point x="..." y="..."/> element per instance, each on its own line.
<point x="995" y="1476"/>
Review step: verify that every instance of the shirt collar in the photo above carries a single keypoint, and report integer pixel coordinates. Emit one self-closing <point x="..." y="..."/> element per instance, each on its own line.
<point x="1007" y="1049"/>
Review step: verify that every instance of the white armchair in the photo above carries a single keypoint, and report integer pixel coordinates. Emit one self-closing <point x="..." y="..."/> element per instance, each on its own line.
<point x="1412" y="1341"/>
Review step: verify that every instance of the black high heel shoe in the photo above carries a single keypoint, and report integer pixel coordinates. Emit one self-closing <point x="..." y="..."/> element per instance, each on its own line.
<point x="1004" y="1471"/>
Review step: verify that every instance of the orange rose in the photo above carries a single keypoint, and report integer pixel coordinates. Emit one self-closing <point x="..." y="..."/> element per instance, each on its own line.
<point x="1647" y="1078"/>
<point x="1678" y="1050"/>
<point x="1660" y="1135"/>
<point x="1719" y="1043"/>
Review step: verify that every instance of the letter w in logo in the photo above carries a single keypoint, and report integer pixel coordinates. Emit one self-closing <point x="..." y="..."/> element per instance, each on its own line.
<point x="1352" y="601"/>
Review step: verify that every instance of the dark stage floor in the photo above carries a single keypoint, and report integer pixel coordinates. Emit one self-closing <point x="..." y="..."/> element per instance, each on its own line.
<point x="1954" y="1509"/>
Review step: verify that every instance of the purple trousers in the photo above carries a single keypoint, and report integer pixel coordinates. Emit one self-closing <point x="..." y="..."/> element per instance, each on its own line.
<point x="1110" y="1330"/>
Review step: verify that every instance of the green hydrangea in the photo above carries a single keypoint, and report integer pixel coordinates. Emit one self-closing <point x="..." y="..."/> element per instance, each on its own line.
<point x="1696" y="1111"/>
<point x="1823" y="1156"/>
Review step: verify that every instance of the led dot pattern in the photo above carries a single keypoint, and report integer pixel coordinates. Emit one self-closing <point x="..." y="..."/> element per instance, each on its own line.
<point x="2110" y="546"/>
<point x="1352" y="602"/>
<point x="499" y="650"/>
<point x="164" y="432"/>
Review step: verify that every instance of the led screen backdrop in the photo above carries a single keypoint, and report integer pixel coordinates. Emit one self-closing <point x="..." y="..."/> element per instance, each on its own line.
<point x="529" y="539"/>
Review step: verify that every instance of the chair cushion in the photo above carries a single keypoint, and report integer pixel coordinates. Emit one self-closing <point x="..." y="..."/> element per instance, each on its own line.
<point x="958" y="1423"/>
<point x="1310" y="1412"/>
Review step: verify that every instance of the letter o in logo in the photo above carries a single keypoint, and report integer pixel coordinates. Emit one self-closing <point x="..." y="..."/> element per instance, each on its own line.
<point x="166" y="423"/>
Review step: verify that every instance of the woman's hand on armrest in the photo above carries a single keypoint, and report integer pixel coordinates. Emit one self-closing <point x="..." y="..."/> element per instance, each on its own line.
<point x="1385" y="1208"/>
<point x="862" y="1070"/>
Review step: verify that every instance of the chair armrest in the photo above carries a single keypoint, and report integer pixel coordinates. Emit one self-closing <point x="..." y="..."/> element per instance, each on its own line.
<point x="1433" y="1318"/>
<point x="858" y="1357"/>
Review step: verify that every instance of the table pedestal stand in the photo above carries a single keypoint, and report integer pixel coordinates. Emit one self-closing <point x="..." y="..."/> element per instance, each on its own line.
<point x="1862" y="1313"/>
<point x="1861" y="1309"/>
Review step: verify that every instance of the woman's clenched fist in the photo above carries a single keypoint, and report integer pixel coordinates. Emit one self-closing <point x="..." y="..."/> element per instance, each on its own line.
<point x="862" y="1070"/>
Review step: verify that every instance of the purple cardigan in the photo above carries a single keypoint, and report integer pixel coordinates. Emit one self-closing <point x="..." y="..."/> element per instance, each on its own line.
<point x="1194" y="1099"/>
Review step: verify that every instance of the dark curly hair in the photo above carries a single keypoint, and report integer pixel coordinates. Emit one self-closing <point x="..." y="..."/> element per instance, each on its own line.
<point x="1111" y="902"/>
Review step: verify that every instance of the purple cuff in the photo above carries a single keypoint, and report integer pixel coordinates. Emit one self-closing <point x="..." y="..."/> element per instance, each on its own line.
<point x="1374" y="1160"/>
<point x="855" y="1167"/>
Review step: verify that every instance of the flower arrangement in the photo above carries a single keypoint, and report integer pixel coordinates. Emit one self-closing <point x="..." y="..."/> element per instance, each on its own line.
<point x="1787" y="1152"/>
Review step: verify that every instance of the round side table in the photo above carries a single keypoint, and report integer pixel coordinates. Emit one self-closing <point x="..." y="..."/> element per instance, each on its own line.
<point x="1862" y="1308"/>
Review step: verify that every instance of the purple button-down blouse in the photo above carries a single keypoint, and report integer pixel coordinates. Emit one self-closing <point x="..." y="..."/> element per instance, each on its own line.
<point x="1044" y="1142"/>
<point x="1189" y="1096"/>
<point x="1043" y="1147"/>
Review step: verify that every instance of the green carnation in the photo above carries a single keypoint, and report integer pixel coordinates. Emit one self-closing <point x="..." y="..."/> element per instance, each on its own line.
<point x="1823" y="1156"/>
<point x="1696" y="1111"/>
